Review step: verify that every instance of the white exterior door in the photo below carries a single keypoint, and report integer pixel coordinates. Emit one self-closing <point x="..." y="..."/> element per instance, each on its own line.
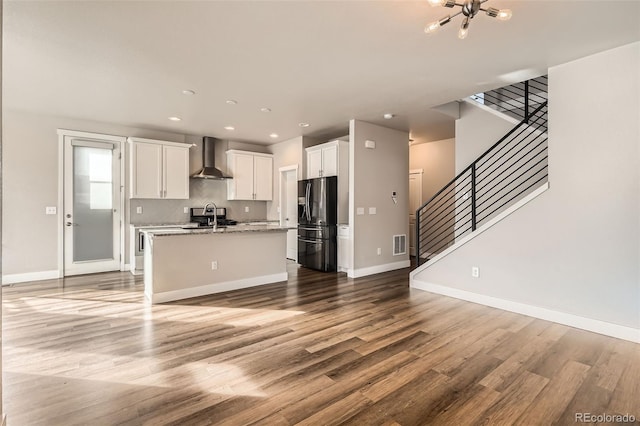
<point x="91" y="206"/>
<point x="415" y="201"/>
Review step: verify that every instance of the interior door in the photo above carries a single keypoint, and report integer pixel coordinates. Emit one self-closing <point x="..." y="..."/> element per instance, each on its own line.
<point x="91" y="206"/>
<point x="289" y="210"/>
<point x="415" y="201"/>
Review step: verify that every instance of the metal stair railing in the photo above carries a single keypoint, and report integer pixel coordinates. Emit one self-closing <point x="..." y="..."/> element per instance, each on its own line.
<point x="505" y="173"/>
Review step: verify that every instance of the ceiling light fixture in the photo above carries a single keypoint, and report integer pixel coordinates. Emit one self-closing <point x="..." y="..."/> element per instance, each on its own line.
<point x="265" y="109"/>
<point x="188" y="92"/>
<point x="229" y="128"/>
<point x="231" y="102"/>
<point x="388" y="116"/>
<point x="470" y="8"/>
<point x="175" y="118"/>
<point x="273" y="135"/>
<point x="303" y="124"/>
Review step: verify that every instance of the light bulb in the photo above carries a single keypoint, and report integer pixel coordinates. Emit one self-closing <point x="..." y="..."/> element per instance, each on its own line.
<point x="432" y="27"/>
<point x="462" y="33"/>
<point x="504" y="14"/>
<point x="437" y="2"/>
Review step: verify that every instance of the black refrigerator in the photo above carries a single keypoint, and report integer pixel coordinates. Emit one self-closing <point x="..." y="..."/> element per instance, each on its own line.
<point x="317" y="228"/>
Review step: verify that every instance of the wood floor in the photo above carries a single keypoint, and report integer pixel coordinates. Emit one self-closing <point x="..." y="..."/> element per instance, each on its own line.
<point x="320" y="349"/>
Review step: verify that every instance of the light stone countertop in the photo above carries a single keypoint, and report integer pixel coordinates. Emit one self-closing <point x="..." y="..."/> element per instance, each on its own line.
<point x="240" y="228"/>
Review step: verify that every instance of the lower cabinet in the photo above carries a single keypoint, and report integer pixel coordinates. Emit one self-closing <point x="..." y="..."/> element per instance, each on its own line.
<point x="344" y="248"/>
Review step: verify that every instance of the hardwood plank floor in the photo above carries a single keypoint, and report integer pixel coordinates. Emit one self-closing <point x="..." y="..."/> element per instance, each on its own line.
<point x="320" y="349"/>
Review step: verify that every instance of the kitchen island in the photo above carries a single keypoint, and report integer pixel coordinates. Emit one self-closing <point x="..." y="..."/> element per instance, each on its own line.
<point x="184" y="263"/>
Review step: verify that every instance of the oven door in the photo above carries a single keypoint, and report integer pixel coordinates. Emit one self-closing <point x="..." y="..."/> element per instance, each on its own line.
<point x="139" y="236"/>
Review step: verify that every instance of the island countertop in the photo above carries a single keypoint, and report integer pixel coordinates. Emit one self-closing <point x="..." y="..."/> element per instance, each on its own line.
<point x="221" y="230"/>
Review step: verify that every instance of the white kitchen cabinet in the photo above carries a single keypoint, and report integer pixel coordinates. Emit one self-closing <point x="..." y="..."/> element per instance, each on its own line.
<point x="158" y="169"/>
<point x="344" y="248"/>
<point x="252" y="174"/>
<point x="325" y="159"/>
<point x="332" y="159"/>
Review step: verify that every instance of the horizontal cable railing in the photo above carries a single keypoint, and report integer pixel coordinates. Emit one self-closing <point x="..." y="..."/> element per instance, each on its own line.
<point x="505" y="173"/>
<point x="510" y="100"/>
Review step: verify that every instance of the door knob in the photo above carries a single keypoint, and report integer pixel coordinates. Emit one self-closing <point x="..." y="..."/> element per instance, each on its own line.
<point x="70" y="224"/>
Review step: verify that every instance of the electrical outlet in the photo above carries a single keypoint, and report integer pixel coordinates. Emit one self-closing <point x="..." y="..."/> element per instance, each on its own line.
<point x="379" y="251"/>
<point x="186" y="210"/>
<point x="139" y="210"/>
<point x="373" y="210"/>
<point x="360" y="211"/>
<point x="214" y="265"/>
<point x="475" y="271"/>
<point x="50" y="210"/>
<point x="246" y="209"/>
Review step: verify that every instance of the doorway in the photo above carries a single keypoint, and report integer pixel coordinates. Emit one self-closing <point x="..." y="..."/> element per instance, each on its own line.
<point x="92" y="194"/>
<point x="289" y="207"/>
<point x="415" y="201"/>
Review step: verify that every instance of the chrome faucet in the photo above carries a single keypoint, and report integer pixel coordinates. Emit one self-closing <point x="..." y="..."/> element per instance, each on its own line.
<point x="215" y="214"/>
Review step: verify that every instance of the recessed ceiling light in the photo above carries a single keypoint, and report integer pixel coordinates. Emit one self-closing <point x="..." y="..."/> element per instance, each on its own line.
<point x="388" y="116"/>
<point x="231" y="102"/>
<point x="175" y="118"/>
<point x="303" y="124"/>
<point x="229" y="128"/>
<point x="265" y="109"/>
<point x="188" y="92"/>
<point x="273" y="135"/>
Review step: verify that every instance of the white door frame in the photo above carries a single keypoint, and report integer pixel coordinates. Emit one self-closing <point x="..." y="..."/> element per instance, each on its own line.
<point x="420" y="173"/>
<point x="281" y="190"/>
<point x="120" y="142"/>
<point x="282" y="171"/>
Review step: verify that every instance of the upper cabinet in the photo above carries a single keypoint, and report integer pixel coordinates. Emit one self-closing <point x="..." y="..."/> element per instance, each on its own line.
<point x="252" y="174"/>
<point x="332" y="159"/>
<point x="158" y="169"/>
<point x="324" y="159"/>
<point x="327" y="159"/>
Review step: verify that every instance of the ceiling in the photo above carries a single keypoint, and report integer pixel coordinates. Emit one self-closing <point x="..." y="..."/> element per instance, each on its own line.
<point x="318" y="62"/>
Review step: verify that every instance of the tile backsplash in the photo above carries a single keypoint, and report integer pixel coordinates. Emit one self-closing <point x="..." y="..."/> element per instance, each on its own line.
<point x="201" y="191"/>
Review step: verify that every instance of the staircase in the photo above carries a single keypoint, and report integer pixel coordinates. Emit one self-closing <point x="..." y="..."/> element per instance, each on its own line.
<point x="511" y="170"/>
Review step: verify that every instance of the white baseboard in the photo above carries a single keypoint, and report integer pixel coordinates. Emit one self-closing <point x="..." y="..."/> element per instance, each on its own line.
<point x="186" y="293"/>
<point x="30" y="276"/>
<point x="589" y="324"/>
<point x="377" y="269"/>
<point x="127" y="267"/>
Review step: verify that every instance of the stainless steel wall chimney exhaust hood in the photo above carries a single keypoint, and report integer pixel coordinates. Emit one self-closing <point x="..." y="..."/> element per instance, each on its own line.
<point x="209" y="170"/>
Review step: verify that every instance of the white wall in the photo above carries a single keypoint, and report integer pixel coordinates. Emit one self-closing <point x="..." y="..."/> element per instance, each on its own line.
<point x="373" y="175"/>
<point x="287" y="153"/>
<point x="437" y="160"/>
<point x="476" y="131"/>
<point x="576" y="248"/>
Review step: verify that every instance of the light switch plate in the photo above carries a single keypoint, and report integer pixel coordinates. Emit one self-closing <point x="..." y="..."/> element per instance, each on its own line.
<point x="372" y="210"/>
<point x="246" y="209"/>
<point x="139" y="210"/>
<point x="186" y="210"/>
<point x="50" y="210"/>
<point x="360" y="211"/>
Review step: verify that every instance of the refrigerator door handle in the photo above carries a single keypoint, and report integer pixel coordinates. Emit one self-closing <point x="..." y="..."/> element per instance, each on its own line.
<point x="306" y="201"/>
<point x="310" y="241"/>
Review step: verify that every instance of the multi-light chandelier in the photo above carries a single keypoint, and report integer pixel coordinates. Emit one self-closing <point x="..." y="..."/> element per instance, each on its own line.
<point x="470" y="8"/>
